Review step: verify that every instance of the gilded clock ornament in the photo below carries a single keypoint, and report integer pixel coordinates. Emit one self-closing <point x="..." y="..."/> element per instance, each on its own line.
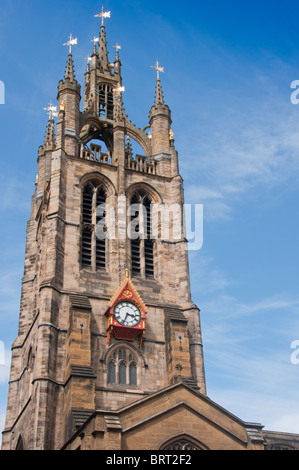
<point x="126" y="313"/>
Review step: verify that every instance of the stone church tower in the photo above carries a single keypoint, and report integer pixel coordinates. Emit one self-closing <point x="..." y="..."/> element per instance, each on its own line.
<point x="109" y="348"/>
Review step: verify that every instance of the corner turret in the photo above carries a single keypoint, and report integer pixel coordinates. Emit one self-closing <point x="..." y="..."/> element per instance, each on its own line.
<point x="69" y="97"/>
<point x="160" y="123"/>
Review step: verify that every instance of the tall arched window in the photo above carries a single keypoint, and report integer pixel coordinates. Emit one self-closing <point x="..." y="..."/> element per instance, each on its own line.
<point x="106" y="101"/>
<point x="111" y="372"/>
<point x="100" y="220"/>
<point x="87" y="226"/>
<point x="122" y="368"/>
<point x="148" y="242"/>
<point x="133" y="374"/>
<point x="142" y="243"/>
<point x="93" y="242"/>
<point x="122" y="373"/>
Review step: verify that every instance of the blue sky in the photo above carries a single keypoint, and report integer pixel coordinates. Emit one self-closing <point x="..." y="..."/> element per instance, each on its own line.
<point x="228" y="71"/>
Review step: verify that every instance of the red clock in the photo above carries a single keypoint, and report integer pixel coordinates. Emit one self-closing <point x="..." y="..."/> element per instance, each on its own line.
<point x="126" y="314"/>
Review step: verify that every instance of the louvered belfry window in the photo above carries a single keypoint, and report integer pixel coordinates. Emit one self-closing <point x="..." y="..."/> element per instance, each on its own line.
<point x="93" y="248"/>
<point x="100" y="242"/>
<point x="142" y="247"/>
<point x="148" y="242"/>
<point x="87" y="226"/>
<point x="106" y="103"/>
<point x="135" y="242"/>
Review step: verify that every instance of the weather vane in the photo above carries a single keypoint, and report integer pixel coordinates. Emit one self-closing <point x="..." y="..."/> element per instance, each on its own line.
<point x="117" y="47"/>
<point x="104" y="14"/>
<point x="72" y="42"/>
<point x="158" y="68"/>
<point x="94" y="40"/>
<point x="51" y="110"/>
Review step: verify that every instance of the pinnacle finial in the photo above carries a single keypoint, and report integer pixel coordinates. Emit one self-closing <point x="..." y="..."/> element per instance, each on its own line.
<point x="88" y="64"/>
<point x="102" y="51"/>
<point x="129" y="149"/>
<point x="159" y="94"/>
<point x="50" y="133"/>
<point x="70" y="72"/>
<point x="95" y="41"/>
<point x="118" y="48"/>
<point x="119" y="112"/>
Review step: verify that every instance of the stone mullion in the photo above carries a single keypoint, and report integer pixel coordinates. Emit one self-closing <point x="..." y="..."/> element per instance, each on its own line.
<point x="106" y="101"/>
<point x="142" y="258"/>
<point x="127" y="373"/>
<point x="143" y="232"/>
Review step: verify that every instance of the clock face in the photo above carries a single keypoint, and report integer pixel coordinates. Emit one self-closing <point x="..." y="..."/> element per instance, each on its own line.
<point x="127" y="314"/>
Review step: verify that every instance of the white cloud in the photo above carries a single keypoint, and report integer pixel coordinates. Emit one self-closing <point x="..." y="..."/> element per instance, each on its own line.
<point x="247" y="348"/>
<point x="250" y="147"/>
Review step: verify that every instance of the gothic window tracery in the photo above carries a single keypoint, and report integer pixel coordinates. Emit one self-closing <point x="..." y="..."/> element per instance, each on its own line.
<point x="182" y="443"/>
<point x="122" y="368"/>
<point x="93" y="242"/>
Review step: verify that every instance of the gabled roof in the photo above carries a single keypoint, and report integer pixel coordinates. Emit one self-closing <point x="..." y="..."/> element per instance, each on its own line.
<point x="126" y="285"/>
<point x="173" y="400"/>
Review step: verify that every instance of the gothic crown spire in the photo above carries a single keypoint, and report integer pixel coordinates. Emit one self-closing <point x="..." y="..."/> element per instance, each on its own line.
<point x="159" y="98"/>
<point x="102" y="51"/>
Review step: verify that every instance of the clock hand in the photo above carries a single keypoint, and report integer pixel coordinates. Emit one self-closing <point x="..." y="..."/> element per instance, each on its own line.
<point x="127" y="314"/>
